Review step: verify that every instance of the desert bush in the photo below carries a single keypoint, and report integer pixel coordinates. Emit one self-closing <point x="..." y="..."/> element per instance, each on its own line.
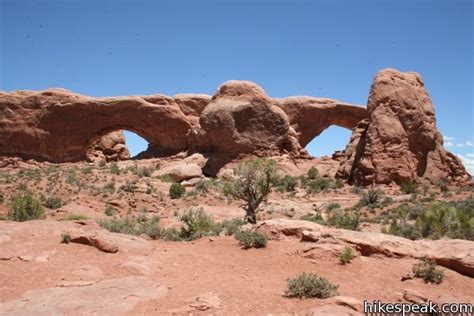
<point x="53" y="202"/>
<point x="435" y="220"/>
<point x="65" y="238"/>
<point x="316" y="218"/>
<point x="339" y="183"/>
<point x="251" y="239"/>
<point x="428" y="271"/>
<point x="286" y="183"/>
<point x="313" y="173"/>
<point x="371" y="197"/>
<point x="408" y="187"/>
<point x="24" y="206"/>
<point x="253" y="182"/>
<point x="76" y="217"/>
<point x="176" y="190"/>
<point x="344" y="221"/>
<point x="309" y="285"/>
<point x="128" y="225"/>
<point x="346" y="255"/>
<point x="86" y="170"/>
<point x="109" y="210"/>
<point x="109" y="187"/>
<point x="317" y="185"/>
<point x="144" y="172"/>
<point x="231" y="227"/>
<point x="454" y="220"/>
<point x="198" y="224"/>
<point x="114" y="168"/>
<point x="387" y="201"/>
<point x="129" y="186"/>
<point x="2" y="197"/>
<point x="405" y="230"/>
<point x="333" y="206"/>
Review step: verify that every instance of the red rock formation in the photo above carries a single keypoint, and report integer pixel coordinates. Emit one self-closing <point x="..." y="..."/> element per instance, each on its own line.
<point x="58" y="125"/>
<point x="309" y="117"/>
<point x="400" y="142"/>
<point x="110" y="147"/>
<point x="394" y="140"/>
<point x="241" y="119"/>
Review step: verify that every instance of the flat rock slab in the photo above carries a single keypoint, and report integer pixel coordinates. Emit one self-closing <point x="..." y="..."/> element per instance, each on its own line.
<point x="110" y="297"/>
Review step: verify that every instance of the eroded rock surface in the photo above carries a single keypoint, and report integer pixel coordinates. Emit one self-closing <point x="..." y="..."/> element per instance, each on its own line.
<point x="400" y="142"/>
<point x="455" y="254"/>
<point x="110" y="147"/>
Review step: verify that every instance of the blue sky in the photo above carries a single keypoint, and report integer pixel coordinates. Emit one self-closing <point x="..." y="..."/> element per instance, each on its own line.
<point x="318" y="48"/>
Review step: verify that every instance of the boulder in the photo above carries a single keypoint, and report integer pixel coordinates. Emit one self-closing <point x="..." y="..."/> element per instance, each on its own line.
<point x="110" y="147"/>
<point x="242" y="119"/>
<point x="414" y="297"/>
<point x="94" y="240"/>
<point x="181" y="171"/>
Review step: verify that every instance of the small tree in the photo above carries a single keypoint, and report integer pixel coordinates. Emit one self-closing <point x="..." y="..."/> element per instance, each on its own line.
<point x="252" y="185"/>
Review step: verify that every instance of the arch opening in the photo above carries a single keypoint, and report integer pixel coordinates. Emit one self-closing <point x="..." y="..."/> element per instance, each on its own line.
<point x="119" y="143"/>
<point x="136" y="144"/>
<point x="332" y="139"/>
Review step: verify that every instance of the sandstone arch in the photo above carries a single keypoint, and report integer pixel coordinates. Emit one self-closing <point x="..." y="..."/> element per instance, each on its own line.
<point x="58" y="126"/>
<point x="309" y="116"/>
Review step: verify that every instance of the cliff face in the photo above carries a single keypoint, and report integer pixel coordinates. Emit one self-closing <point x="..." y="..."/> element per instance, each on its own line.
<point x="394" y="139"/>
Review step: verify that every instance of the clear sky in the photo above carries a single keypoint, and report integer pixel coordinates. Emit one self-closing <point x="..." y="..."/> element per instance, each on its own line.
<point x="329" y="48"/>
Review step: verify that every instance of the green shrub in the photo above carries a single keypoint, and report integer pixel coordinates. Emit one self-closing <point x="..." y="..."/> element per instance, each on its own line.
<point x="24" y="206"/>
<point x="333" y="206"/>
<point x="53" y="202"/>
<point x="387" y="201"/>
<point x="339" y="183"/>
<point x="114" y="168"/>
<point x="316" y="218"/>
<point x="313" y="173"/>
<point x="317" y="185"/>
<point x="129" y="186"/>
<point x="144" y="172"/>
<point x="109" y="187"/>
<point x="435" y="220"/>
<point x="344" y="221"/>
<point x="427" y="270"/>
<point x="404" y="230"/>
<point x="346" y="255"/>
<point x="308" y="285"/>
<point x="204" y="186"/>
<point x="408" y="187"/>
<point x="177" y="190"/>
<point x="65" y="238"/>
<point x="76" y="217"/>
<point x="251" y="239"/>
<point x="198" y="224"/>
<point x="371" y="197"/>
<point x="128" y="225"/>
<point x="286" y="183"/>
<point x="231" y="227"/>
<point x="86" y="170"/>
<point x="109" y="210"/>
